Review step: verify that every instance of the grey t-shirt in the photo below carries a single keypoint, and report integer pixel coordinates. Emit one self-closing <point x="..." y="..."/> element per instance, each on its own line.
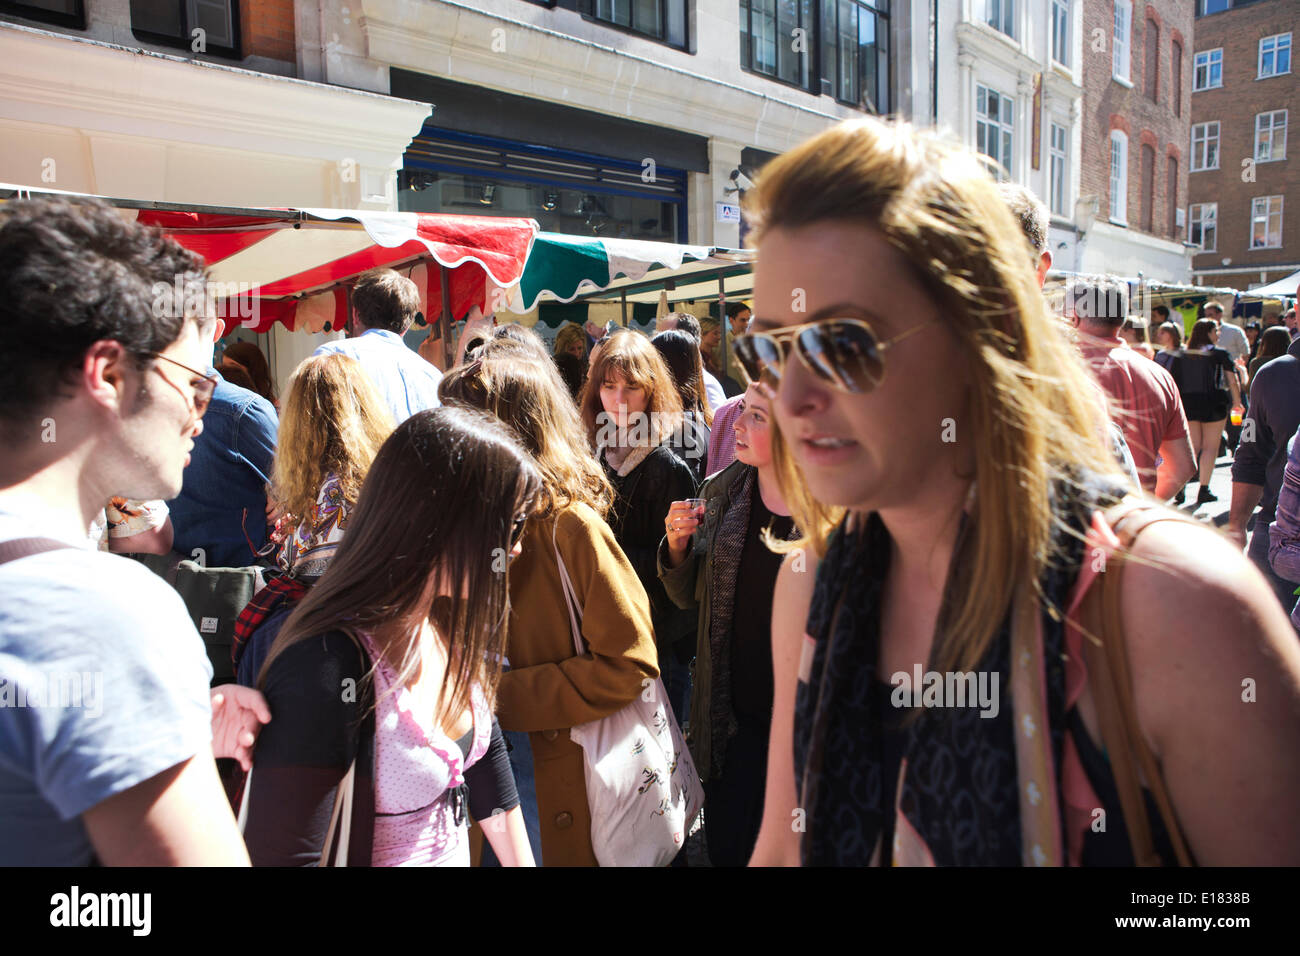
<point x="103" y="685"/>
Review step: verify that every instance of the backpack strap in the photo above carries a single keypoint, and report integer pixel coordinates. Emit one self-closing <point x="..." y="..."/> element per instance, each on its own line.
<point x="20" y="548"/>
<point x="1112" y="689"/>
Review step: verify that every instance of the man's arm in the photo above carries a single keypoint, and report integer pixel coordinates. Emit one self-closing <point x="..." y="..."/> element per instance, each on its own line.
<point x="1177" y="468"/>
<point x="1245" y="499"/>
<point x="179" y="817"/>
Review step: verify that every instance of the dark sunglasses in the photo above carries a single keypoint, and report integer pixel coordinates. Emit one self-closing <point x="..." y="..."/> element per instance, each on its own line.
<point x="843" y="353"/>
<point x="203" y="384"/>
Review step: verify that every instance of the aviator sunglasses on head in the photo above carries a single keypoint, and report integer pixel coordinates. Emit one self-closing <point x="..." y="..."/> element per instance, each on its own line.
<point x="843" y="353"/>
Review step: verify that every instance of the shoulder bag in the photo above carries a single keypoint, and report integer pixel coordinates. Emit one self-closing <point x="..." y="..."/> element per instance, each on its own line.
<point x="642" y="789"/>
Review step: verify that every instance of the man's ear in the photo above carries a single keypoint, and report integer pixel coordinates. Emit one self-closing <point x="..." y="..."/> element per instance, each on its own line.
<point x="219" y="330"/>
<point x="1044" y="264"/>
<point x="104" y="372"/>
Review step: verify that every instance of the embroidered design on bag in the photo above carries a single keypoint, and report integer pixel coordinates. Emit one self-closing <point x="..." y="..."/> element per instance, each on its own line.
<point x="651" y="778"/>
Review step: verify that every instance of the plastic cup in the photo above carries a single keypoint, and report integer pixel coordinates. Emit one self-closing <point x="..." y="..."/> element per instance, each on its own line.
<point x="697" y="507"/>
<point x="1236" y="416"/>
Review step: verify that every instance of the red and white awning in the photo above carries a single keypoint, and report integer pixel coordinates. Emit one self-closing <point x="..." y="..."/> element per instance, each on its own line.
<point x="291" y="266"/>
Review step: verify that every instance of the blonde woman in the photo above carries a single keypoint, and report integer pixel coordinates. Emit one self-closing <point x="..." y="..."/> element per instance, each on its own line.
<point x="549" y="688"/>
<point x="632" y="410"/>
<point x="331" y="427"/>
<point x="571" y="340"/>
<point x="950" y="525"/>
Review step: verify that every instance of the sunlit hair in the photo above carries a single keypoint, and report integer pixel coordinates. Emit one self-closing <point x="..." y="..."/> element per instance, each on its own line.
<point x="1033" y="407"/>
<point x="333" y="422"/>
<point x="1174" y="331"/>
<point x="571" y="332"/>
<point x="416" y="552"/>
<point x="1201" y="332"/>
<point x="527" y="393"/>
<point x="631" y="355"/>
<point x="681" y="354"/>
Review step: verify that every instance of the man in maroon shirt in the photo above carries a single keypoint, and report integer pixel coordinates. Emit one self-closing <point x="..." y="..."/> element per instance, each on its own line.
<point x="1148" y="407"/>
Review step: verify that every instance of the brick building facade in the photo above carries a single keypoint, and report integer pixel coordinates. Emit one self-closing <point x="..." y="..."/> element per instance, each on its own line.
<point x="1136" y="126"/>
<point x="1244" y="210"/>
<point x="267" y="29"/>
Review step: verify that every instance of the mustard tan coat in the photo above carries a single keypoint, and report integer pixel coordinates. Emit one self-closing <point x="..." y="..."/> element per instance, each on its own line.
<point x="549" y="688"/>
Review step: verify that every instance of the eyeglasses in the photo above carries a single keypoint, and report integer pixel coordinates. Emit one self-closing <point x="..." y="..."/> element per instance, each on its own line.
<point x="204" y="385"/>
<point x="843" y="353"/>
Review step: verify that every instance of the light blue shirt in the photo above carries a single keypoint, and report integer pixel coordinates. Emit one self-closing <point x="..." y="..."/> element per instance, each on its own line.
<point x="103" y="685"/>
<point x="407" y="383"/>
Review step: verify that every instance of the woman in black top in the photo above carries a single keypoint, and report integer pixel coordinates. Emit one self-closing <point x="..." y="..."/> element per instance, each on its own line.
<point x="631" y="410"/>
<point x="418" y="578"/>
<point x="951" y="522"/>
<point x="1207" y="381"/>
<point x="729" y="574"/>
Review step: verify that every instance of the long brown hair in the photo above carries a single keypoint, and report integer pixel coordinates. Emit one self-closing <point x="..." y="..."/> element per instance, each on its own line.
<point x="433" y="525"/>
<point x="1202" y="329"/>
<point x="333" y="422"/>
<point x="527" y="393"/>
<point x="250" y="357"/>
<point x="1032" y="402"/>
<point x="681" y="353"/>
<point x="631" y="355"/>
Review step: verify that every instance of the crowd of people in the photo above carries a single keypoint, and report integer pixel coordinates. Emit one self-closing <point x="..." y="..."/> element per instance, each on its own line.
<point x="908" y="479"/>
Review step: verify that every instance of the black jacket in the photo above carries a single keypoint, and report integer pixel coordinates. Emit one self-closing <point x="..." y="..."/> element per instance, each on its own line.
<point x="637" y="520"/>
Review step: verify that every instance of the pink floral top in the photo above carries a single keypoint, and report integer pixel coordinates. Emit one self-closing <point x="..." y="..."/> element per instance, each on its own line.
<point x="418" y="769"/>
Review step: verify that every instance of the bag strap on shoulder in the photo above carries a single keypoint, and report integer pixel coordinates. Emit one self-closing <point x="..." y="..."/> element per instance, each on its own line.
<point x="1112" y="688"/>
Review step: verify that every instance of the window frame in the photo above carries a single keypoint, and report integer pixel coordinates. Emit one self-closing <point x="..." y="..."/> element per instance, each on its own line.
<point x="1272" y="134"/>
<point x="1118" y="209"/>
<point x="1122" y="48"/>
<point x="588" y="9"/>
<point x="74" y="21"/>
<point x="832" y="74"/>
<point x="1194" y="222"/>
<point x="1209" y="66"/>
<point x="1060" y="13"/>
<point x="185" y="40"/>
<point x="1058" y="168"/>
<point x="1268" y="215"/>
<point x="1260" y="74"/>
<point x="1205" y="139"/>
<point x="999" y="127"/>
<point x="1176" y="74"/>
<point x="810" y="57"/>
<point x="1008" y="16"/>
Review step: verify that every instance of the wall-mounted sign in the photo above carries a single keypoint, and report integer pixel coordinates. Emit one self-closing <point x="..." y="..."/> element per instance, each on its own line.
<point x="728" y="212"/>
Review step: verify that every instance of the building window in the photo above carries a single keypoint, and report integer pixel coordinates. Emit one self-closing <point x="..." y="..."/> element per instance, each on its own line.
<point x="1058" y="151"/>
<point x="855" y="52"/>
<point x="994" y="127"/>
<point x="1061" y="31"/>
<point x="1151" y="68"/>
<point x="1270" y="136"/>
<point x="1147" y="193"/>
<point x="177" y="24"/>
<point x="1203" y="229"/>
<point x="1171" y="198"/>
<point x="1120" y="44"/>
<point x="769" y="43"/>
<point x="63" y="13"/>
<point x="1207" y="70"/>
<point x="1266" y="222"/>
<point x="1275" y="55"/>
<point x="663" y="20"/>
<point x="1119" y="177"/>
<point x="1001" y="15"/>
<point x="1211" y="6"/>
<point x="1205" y="146"/>
<point x="1176" y="72"/>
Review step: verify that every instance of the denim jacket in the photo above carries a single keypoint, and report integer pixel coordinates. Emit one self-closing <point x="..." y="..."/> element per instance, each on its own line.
<point x="222" y="504"/>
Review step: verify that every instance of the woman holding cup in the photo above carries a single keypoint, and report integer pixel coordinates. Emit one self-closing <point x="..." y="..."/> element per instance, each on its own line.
<point x="731" y="706"/>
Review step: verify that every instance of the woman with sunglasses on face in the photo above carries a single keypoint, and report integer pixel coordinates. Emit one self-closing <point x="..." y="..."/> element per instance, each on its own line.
<point x="951" y="524"/>
<point x="383" y="680"/>
<point x="728" y="574"/>
<point x="550" y="686"/>
<point x="631" y="410"/>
